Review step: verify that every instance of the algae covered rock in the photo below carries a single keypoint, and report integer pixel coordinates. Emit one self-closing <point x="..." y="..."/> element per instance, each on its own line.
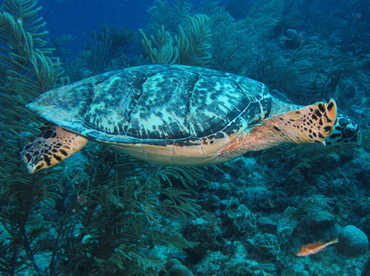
<point x="175" y="268"/>
<point x="293" y="271"/>
<point x="240" y="216"/>
<point x="322" y="219"/>
<point x="353" y="241"/>
<point x="366" y="268"/>
<point x="265" y="224"/>
<point x="329" y="162"/>
<point x="265" y="244"/>
<point x="212" y="203"/>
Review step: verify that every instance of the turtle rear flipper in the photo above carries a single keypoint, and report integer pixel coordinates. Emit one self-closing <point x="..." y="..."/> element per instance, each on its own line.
<point x="311" y="124"/>
<point x="53" y="146"/>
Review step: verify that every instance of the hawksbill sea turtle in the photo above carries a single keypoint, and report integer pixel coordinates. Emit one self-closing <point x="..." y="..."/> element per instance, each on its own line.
<point x="177" y="115"/>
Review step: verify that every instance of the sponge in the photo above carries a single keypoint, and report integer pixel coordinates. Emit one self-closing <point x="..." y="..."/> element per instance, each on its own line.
<point x="352" y="241"/>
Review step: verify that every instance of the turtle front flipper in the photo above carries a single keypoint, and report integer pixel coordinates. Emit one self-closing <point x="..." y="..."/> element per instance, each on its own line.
<point x="53" y="146"/>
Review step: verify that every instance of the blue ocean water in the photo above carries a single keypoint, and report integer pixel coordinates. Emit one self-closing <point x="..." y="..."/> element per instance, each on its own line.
<point x="80" y="17"/>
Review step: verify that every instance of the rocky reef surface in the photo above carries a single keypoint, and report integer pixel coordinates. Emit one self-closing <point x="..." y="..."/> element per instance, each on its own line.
<point x="256" y="212"/>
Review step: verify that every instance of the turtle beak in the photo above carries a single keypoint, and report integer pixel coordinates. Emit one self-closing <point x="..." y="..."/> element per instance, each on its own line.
<point x="345" y="133"/>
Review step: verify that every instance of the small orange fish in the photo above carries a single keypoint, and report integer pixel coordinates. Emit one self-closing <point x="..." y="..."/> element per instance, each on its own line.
<point x="313" y="248"/>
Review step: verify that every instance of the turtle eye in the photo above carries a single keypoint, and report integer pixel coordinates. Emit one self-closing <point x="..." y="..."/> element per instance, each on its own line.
<point x="343" y="121"/>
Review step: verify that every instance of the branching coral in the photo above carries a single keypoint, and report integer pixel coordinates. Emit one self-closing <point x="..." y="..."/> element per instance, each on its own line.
<point x="164" y="50"/>
<point x="315" y="203"/>
<point x="122" y="218"/>
<point x="264" y="16"/>
<point x="170" y="14"/>
<point x="190" y="46"/>
<point x="105" y="51"/>
<point x="193" y="41"/>
<point x="236" y="44"/>
<point x="232" y="47"/>
<point x="26" y="71"/>
<point x="187" y="43"/>
<point x="27" y="67"/>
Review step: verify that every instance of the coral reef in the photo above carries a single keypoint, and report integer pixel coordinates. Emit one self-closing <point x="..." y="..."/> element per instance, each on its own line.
<point x="27" y="69"/>
<point x="102" y="213"/>
<point x="108" y="50"/>
<point x="175" y="268"/>
<point x="366" y="269"/>
<point x="189" y="46"/>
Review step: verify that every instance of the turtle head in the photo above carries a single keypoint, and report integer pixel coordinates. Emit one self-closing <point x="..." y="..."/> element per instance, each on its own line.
<point x="345" y="133"/>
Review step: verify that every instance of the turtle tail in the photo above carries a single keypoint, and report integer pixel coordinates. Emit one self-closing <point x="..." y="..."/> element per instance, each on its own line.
<point x="53" y="146"/>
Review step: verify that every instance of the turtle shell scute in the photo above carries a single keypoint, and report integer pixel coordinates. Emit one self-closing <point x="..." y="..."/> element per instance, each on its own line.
<point x="158" y="102"/>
